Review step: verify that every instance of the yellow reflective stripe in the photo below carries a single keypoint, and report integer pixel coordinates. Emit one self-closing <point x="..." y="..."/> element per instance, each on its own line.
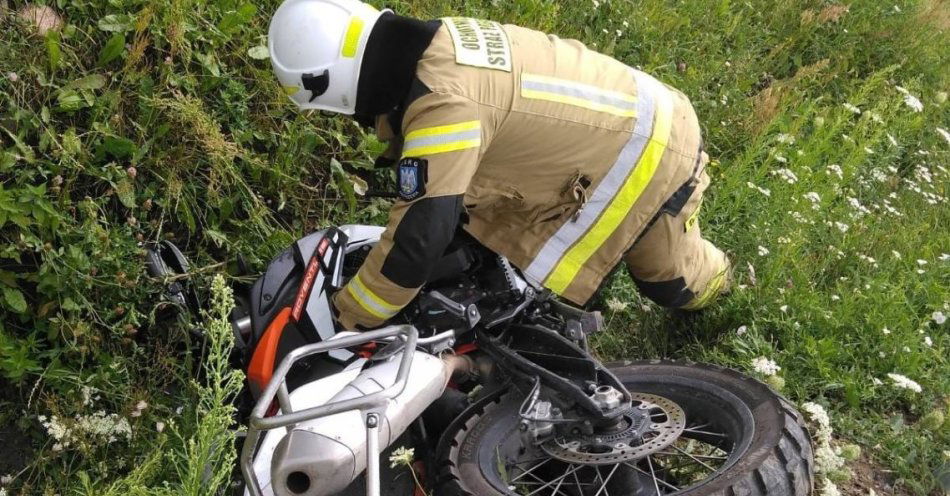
<point x="442" y="139"/>
<point x="578" y="94"/>
<point x="351" y="40"/>
<point x="447" y="129"/>
<point x="370" y="301"/>
<point x="712" y="290"/>
<point x="565" y="271"/>
<point x="691" y="220"/>
<point x="443" y="148"/>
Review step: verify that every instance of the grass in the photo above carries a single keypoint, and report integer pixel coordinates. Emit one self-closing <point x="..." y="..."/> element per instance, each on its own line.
<point x="146" y="120"/>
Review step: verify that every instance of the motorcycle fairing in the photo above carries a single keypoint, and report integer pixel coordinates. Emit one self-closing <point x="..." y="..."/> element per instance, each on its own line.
<point x="290" y="303"/>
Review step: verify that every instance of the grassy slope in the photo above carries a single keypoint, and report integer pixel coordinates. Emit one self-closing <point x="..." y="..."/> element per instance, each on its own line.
<point x="184" y="135"/>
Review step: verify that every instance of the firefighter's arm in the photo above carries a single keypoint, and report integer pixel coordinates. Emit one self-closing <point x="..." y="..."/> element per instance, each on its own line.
<point x="443" y="141"/>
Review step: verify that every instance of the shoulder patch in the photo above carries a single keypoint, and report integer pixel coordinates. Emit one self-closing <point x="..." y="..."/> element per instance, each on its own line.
<point x="479" y="43"/>
<point x="412" y="178"/>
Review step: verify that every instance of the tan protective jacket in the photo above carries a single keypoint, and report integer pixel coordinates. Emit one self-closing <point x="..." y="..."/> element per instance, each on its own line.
<point x="560" y="157"/>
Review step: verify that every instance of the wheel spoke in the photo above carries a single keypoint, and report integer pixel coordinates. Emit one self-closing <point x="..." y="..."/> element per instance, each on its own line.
<point x="697" y="460"/>
<point x="557" y="488"/>
<point x="568" y="472"/>
<point x="705" y="433"/>
<point x="532" y="469"/>
<point x="704" y="457"/>
<point x="653" y="474"/>
<point x="603" y="488"/>
<point x="661" y="481"/>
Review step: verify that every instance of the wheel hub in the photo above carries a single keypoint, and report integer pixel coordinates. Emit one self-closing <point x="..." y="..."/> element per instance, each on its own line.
<point x="652" y="423"/>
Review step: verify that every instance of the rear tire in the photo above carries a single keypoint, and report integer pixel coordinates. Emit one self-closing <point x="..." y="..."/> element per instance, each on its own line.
<point x="771" y="453"/>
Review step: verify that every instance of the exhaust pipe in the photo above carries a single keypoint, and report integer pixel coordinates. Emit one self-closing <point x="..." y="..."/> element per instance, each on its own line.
<point x="323" y="456"/>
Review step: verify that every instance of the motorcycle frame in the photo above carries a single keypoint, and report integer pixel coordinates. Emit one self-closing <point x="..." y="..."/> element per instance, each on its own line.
<point x="372" y="406"/>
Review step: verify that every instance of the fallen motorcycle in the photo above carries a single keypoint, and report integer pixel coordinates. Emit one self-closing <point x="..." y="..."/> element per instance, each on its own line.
<point x="490" y="382"/>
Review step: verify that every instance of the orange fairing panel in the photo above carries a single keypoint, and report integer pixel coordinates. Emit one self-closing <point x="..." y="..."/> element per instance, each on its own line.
<point x="262" y="363"/>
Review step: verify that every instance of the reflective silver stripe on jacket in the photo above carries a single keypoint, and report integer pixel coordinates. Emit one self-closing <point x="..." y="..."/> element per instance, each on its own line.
<point x="572" y="231"/>
<point x="580" y="92"/>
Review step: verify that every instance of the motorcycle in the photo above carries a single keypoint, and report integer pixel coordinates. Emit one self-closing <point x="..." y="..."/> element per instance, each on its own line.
<point x="483" y="386"/>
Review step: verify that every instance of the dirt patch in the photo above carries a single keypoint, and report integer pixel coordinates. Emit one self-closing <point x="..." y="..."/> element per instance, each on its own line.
<point x="867" y="475"/>
<point x="17" y="449"/>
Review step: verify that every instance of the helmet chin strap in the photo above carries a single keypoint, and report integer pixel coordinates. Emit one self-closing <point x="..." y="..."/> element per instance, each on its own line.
<point x="389" y="63"/>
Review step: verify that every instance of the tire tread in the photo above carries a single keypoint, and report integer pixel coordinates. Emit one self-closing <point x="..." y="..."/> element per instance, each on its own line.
<point x="787" y="470"/>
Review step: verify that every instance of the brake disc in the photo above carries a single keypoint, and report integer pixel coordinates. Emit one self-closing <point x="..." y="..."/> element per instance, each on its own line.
<point x="653" y="423"/>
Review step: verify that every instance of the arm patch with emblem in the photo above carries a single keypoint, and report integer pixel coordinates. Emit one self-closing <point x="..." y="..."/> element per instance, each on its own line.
<point x="412" y="177"/>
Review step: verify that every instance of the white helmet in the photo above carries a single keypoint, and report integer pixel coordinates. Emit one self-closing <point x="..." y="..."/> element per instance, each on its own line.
<point x="316" y="48"/>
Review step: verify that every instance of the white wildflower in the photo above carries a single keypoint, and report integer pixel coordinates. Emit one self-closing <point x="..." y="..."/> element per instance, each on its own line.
<point x="786" y="175"/>
<point x="886" y="331"/>
<point x="108" y="427"/>
<point x="615" y="305"/>
<point x="892" y="140"/>
<point x="6" y="480"/>
<point x="764" y="191"/>
<point x="742" y="330"/>
<point x="944" y="257"/>
<point x="626" y="24"/>
<point x="818" y="415"/>
<point x="906" y="349"/>
<point x="159" y="426"/>
<point x="619" y="33"/>
<point x="834" y="169"/>
<point x="910" y="100"/>
<point x="814" y="198"/>
<point x="868" y="150"/>
<point x="852" y="108"/>
<point x="781" y="159"/>
<point x="828" y="488"/>
<point x="785" y="138"/>
<point x="765" y="366"/>
<point x="939" y="318"/>
<point x="763" y="251"/>
<point x="928" y="342"/>
<point x="783" y="308"/>
<point x="402" y="456"/>
<point x="921" y="262"/>
<point x="87" y="394"/>
<point x="903" y="382"/>
<point x="877" y="382"/>
<point x="896" y="254"/>
<point x="842" y="226"/>
<point x="943" y="132"/>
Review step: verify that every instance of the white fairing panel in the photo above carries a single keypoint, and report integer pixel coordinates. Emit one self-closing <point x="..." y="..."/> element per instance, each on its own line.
<point x="359" y="235"/>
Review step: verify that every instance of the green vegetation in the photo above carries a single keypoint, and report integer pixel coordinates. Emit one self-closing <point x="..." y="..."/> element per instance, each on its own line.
<point x="138" y="121"/>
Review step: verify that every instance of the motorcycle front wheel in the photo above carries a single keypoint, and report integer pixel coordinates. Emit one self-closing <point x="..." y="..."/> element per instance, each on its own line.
<point x="740" y="438"/>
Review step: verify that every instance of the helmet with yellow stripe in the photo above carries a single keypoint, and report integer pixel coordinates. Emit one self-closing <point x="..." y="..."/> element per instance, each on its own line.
<point x="316" y="49"/>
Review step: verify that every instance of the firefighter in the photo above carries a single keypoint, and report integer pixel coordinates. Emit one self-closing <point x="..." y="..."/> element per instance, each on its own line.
<point x="563" y="160"/>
